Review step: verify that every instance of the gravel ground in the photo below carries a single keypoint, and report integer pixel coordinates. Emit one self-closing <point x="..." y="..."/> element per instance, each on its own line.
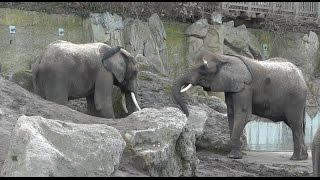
<point x="254" y="164"/>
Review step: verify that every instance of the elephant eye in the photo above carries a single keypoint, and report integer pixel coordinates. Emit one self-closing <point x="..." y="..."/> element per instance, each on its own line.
<point x="203" y="70"/>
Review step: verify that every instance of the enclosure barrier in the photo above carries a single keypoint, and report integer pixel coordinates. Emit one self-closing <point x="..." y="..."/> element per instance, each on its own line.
<point x="301" y="9"/>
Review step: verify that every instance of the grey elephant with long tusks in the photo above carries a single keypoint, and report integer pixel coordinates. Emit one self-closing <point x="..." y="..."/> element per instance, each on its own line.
<point x="315" y="153"/>
<point x="66" y="71"/>
<point x="273" y="89"/>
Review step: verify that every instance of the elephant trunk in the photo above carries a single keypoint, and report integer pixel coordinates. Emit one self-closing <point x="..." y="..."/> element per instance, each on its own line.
<point x="176" y="92"/>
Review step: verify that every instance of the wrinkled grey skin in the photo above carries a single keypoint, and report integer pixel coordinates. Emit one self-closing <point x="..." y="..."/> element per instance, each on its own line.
<point x="315" y="152"/>
<point x="66" y="71"/>
<point x="273" y="89"/>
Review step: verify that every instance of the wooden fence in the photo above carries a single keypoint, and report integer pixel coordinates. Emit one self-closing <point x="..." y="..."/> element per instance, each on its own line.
<point x="303" y="9"/>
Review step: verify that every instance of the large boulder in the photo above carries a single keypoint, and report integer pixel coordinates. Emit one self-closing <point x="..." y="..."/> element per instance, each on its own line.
<point x="159" y="142"/>
<point x="45" y="147"/>
<point x="106" y="28"/>
<point x="177" y="141"/>
<point x="216" y="135"/>
<point x="16" y="101"/>
<point x="221" y="39"/>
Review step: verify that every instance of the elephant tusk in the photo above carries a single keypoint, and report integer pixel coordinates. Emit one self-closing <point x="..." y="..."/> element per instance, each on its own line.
<point x="186" y="88"/>
<point x="135" y="101"/>
<point x="126" y="52"/>
<point x="123" y="102"/>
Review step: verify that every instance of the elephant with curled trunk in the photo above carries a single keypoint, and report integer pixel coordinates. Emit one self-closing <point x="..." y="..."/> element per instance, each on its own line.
<point x="273" y="89"/>
<point x="315" y="153"/>
<point x="66" y="71"/>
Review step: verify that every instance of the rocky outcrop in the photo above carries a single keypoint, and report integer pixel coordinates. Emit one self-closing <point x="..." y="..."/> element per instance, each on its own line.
<point x="221" y="39"/>
<point x="136" y="36"/>
<point x="53" y="148"/>
<point x="143" y="131"/>
<point x="17" y="101"/>
<point x="159" y="142"/>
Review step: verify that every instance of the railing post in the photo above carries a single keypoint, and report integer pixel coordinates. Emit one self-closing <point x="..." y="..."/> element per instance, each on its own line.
<point x="249" y="6"/>
<point x="296" y="8"/>
<point x="318" y="9"/>
<point x="273" y="6"/>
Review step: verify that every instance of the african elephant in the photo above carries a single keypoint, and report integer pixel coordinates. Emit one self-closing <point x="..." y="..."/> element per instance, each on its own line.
<point x="66" y="71"/>
<point x="273" y="89"/>
<point x="315" y="153"/>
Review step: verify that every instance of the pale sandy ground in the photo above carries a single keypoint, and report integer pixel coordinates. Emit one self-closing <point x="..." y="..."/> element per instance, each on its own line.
<point x="259" y="164"/>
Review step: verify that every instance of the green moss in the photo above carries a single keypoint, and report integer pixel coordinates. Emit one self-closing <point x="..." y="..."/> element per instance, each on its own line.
<point x="14" y="158"/>
<point x="145" y="78"/>
<point x="24" y="79"/>
<point x="32" y="18"/>
<point x="176" y="43"/>
<point x="167" y="89"/>
<point x="142" y="67"/>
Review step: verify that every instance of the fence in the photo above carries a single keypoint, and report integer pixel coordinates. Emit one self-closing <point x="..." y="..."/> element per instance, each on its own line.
<point x="302" y="9"/>
<point x="271" y="136"/>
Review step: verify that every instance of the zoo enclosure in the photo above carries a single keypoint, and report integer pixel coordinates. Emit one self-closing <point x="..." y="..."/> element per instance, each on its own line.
<point x="256" y="9"/>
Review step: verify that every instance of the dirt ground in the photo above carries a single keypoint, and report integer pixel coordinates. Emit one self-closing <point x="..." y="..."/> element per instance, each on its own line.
<point x="254" y="164"/>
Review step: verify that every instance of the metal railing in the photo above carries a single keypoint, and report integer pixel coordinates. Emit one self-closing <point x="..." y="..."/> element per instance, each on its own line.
<point x="304" y="9"/>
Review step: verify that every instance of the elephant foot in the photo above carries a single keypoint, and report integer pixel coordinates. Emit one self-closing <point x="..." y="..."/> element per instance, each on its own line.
<point x="302" y="155"/>
<point x="235" y="155"/>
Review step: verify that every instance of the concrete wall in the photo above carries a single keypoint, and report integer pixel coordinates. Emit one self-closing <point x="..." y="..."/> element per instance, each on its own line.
<point x="34" y="31"/>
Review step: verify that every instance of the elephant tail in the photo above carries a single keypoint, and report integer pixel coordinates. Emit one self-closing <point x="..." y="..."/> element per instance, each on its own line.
<point x="35" y="74"/>
<point x="304" y="121"/>
<point x="36" y="77"/>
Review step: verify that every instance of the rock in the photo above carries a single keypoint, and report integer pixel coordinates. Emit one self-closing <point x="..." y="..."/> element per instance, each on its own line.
<point x="194" y="46"/>
<point x="138" y="39"/>
<point x="238" y="40"/>
<point x="216" y="136"/>
<point x="16" y="101"/>
<point x="216" y="17"/>
<point x="159" y="142"/>
<point x="42" y="147"/>
<point x="23" y="78"/>
<point x="197" y="119"/>
<point x="107" y="28"/>
<point x="212" y="41"/>
<point x="198" y="29"/>
<point x="159" y="35"/>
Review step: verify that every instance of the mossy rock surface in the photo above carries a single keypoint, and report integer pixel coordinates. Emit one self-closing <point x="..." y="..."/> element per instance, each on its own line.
<point x="23" y="79"/>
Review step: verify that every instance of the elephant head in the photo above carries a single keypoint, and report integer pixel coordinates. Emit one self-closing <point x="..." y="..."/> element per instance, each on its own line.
<point x="123" y="67"/>
<point x="219" y="73"/>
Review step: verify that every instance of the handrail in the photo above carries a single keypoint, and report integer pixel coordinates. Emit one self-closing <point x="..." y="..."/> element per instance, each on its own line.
<point x="304" y="9"/>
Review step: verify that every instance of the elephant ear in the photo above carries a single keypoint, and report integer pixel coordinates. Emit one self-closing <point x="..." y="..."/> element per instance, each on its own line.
<point x="115" y="63"/>
<point x="232" y="75"/>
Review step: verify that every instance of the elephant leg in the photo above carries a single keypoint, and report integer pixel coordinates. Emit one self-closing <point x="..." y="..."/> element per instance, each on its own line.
<point x="241" y="109"/>
<point x="103" y="94"/>
<point x="295" y="121"/>
<point x="316" y="162"/>
<point x="91" y="109"/>
<point x="228" y="98"/>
